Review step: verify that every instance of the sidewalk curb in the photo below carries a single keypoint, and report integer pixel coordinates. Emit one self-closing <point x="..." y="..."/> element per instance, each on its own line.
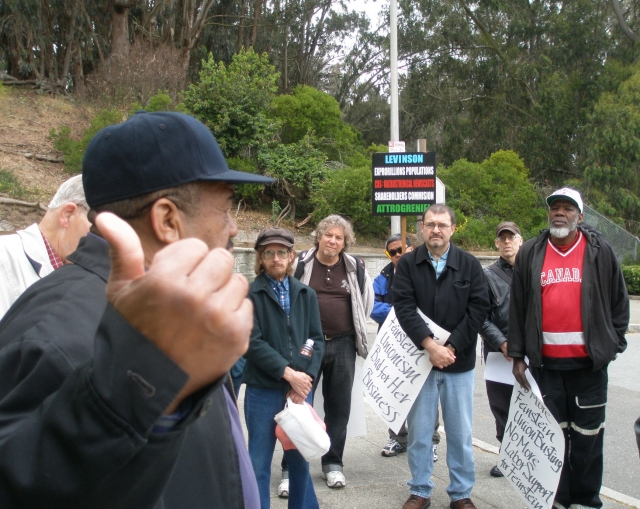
<point x="605" y="492"/>
<point x="633" y="328"/>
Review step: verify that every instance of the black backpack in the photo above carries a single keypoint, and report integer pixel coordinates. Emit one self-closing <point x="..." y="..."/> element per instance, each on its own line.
<point x="359" y="270"/>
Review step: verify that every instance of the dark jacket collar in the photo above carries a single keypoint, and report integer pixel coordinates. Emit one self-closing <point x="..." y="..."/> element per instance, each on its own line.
<point x="453" y="259"/>
<point x="93" y="255"/>
<point x="504" y="264"/>
<point x="387" y="270"/>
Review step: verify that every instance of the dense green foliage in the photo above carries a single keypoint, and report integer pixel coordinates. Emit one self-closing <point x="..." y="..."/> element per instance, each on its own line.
<point x="631" y="275"/>
<point x="232" y="101"/>
<point x="74" y="150"/>
<point x="348" y="192"/>
<point x="309" y="111"/>
<point x="484" y="194"/>
<point x="298" y="169"/>
<point x="612" y="181"/>
<point x="555" y="82"/>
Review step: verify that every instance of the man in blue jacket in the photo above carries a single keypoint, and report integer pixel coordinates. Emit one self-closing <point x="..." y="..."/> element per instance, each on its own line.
<point x="447" y="285"/>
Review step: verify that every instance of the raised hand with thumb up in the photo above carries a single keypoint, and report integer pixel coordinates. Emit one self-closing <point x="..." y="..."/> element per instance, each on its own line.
<point x="189" y="303"/>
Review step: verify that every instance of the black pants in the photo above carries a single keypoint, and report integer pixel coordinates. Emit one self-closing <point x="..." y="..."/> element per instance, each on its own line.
<point x="577" y="400"/>
<point x="499" y="396"/>
<point x="403" y="435"/>
<point x="337" y="369"/>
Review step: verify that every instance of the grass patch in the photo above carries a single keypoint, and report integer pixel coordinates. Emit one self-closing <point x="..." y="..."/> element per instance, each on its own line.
<point x="11" y="187"/>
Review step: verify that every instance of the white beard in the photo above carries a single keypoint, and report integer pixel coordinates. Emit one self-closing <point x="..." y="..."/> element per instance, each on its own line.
<point x="563" y="233"/>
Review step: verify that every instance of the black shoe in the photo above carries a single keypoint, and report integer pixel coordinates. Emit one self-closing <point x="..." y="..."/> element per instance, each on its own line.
<point x="495" y="472"/>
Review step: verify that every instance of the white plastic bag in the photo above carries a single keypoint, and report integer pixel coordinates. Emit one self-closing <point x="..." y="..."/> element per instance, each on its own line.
<point x="303" y="430"/>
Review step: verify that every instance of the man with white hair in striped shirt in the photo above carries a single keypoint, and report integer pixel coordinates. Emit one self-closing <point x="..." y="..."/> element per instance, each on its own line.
<point x="30" y="254"/>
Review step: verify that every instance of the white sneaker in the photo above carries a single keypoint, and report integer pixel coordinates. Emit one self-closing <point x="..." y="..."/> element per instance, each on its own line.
<point x="335" y="479"/>
<point x="283" y="488"/>
<point x="435" y="453"/>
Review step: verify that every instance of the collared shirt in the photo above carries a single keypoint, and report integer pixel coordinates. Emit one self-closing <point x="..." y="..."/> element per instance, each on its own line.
<point x="55" y="260"/>
<point x="440" y="263"/>
<point x="281" y="289"/>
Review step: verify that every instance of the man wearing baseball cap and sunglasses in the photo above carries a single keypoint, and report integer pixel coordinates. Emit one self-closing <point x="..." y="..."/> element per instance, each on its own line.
<point x="113" y="369"/>
<point x="569" y="312"/>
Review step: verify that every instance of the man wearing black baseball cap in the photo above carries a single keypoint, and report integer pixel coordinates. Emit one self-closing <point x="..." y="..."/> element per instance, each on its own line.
<point x="494" y="330"/>
<point x="568" y="314"/>
<point x="113" y="368"/>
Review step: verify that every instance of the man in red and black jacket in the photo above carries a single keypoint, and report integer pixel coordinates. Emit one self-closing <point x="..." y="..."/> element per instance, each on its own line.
<point x="569" y="312"/>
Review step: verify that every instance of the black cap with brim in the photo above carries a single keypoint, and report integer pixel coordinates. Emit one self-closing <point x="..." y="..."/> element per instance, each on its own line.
<point x="154" y="151"/>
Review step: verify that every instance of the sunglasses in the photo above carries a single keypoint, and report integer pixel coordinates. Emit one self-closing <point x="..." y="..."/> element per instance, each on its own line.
<point x="392" y="252"/>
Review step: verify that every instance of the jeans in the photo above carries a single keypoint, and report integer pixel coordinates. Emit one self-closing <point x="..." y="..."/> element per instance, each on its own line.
<point x="260" y="407"/>
<point x="338" y="369"/>
<point x="455" y="392"/>
<point x="577" y="399"/>
<point x="402" y="436"/>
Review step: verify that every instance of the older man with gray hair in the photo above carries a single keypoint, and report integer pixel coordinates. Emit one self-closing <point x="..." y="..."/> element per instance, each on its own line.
<point x="32" y="253"/>
<point x="345" y="298"/>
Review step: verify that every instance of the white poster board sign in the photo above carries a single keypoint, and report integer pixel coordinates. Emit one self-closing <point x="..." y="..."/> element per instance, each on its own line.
<point x="357" y="426"/>
<point x="395" y="371"/>
<point x="532" y="450"/>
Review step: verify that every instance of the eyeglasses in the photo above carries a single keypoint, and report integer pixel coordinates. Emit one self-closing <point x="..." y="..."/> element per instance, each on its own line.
<point x="393" y="252"/>
<point x="270" y="254"/>
<point x="505" y="238"/>
<point x="431" y="226"/>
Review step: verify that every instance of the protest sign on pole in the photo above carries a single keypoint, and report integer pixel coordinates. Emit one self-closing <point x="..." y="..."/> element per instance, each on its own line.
<point x="395" y="370"/>
<point x="532" y="450"/>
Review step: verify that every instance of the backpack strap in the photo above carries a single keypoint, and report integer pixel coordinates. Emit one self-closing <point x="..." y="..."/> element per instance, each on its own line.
<point x="501" y="273"/>
<point x="360" y="273"/>
<point x="300" y="267"/>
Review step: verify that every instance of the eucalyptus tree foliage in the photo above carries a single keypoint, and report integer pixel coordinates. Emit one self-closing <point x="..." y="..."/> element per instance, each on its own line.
<point x="56" y="41"/>
<point x="302" y="37"/>
<point x="508" y="74"/>
<point x="612" y="173"/>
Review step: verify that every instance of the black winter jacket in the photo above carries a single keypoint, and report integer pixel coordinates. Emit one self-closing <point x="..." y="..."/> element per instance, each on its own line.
<point x="276" y="340"/>
<point x="80" y="392"/>
<point x="605" y="303"/>
<point x="494" y="329"/>
<point x="457" y="301"/>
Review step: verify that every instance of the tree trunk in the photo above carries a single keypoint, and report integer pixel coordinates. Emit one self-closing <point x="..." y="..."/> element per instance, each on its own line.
<point x="78" y="76"/>
<point x="257" y="11"/>
<point x="119" y="30"/>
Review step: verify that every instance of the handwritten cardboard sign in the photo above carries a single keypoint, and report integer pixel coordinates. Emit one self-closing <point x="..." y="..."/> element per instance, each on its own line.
<point x="393" y="373"/>
<point x="532" y="450"/>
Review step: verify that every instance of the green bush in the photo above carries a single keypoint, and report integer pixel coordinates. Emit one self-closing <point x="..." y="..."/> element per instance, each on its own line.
<point x="232" y="101"/>
<point x="161" y="101"/>
<point x="10" y="185"/>
<point x="485" y="194"/>
<point x="298" y="170"/>
<point x="631" y="275"/>
<point x="348" y="192"/>
<point x="250" y="193"/>
<point x="74" y="150"/>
